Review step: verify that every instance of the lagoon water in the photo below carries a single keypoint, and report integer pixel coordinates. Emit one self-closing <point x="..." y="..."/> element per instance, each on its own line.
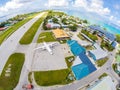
<point x="93" y="19"/>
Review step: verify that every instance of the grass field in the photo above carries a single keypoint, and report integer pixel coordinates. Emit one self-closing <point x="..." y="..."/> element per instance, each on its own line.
<point x="13" y="28"/>
<point x="69" y="64"/>
<point x="9" y="83"/>
<point x="29" y="35"/>
<point x="101" y="62"/>
<point x="47" y="78"/>
<point x="47" y="37"/>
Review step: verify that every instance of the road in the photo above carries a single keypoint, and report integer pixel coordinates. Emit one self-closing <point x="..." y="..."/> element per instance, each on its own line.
<point x="10" y="45"/>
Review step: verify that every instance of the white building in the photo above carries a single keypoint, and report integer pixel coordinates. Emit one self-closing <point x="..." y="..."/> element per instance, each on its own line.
<point x="98" y="53"/>
<point x="105" y="84"/>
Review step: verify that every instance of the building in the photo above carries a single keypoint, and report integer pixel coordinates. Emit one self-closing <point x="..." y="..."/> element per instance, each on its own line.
<point x="80" y="71"/>
<point x="60" y="34"/>
<point x="2" y="29"/>
<point x="82" y="66"/>
<point x="52" y="25"/>
<point x="75" y="47"/>
<point x="109" y="37"/>
<point x="97" y="53"/>
<point x="105" y="84"/>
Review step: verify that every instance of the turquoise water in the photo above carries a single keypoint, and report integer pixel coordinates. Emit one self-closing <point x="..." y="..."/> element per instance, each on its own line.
<point x="93" y="19"/>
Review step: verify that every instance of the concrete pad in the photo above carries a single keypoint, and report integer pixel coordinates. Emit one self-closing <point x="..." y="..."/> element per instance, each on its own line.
<point x="43" y="60"/>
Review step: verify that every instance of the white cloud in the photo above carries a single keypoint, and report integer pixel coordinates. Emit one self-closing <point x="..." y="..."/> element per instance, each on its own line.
<point x="117" y="6"/>
<point x="60" y="3"/>
<point x="12" y="5"/>
<point x="92" y="6"/>
<point x="111" y="18"/>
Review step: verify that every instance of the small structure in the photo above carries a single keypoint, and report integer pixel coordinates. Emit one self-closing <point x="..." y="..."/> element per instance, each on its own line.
<point x="59" y="34"/>
<point x="105" y="84"/>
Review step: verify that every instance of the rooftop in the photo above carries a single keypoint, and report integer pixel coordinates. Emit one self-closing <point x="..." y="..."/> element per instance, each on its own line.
<point x="105" y="84"/>
<point x="75" y="47"/>
<point x="107" y="34"/>
<point x="59" y="33"/>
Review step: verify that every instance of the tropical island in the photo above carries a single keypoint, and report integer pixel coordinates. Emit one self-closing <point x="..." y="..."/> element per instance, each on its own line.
<point x="53" y="50"/>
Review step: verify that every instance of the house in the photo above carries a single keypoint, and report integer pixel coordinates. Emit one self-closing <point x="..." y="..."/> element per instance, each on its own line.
<point x="105" y="84"/>
<point x="2" y="28"/>
<point x="108" y="37"/>
<point x="52" y="25"/>
<point x="60" y="34"/>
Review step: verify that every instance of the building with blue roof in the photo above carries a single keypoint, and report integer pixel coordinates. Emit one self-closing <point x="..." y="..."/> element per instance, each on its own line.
<point x="75" y="47"/>
<point x="107" y="36"/>
<point x="80" y="71"/>
<point x="87" y="61"/>
<point x="82" y="66"/>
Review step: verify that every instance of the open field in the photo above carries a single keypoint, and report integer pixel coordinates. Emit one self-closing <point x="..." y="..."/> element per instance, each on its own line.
<point x="13" y="28"/>
<point x="46" y="36"/>
<point x="47" y="78"/>
<point x="12" y="69"/>
<point x="29" y="35"/>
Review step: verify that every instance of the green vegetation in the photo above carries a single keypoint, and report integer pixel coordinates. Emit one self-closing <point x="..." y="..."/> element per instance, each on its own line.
<point x="81" y="37"/>
<point x="103" y="75"/>
<point x="30" y="77"/>
<point x="14" y="63"/>
<point x="13" y="28"/>
<point x="73" y="27"/>
<point x="89" y="47"/>
<point x="51" y="15"/>
<point x="69" y="61"/>
<point x="85" y="21"/>
<point x="107" y="46"/>
<point x="47" y="78"/>
<point x="101" y="62"/>
<point x="114" y="66"/>
<point x="91" y="36"/>
<point x="29" y="35"/>
<point x="46" y="36"/>
<point x="118" y="38"/>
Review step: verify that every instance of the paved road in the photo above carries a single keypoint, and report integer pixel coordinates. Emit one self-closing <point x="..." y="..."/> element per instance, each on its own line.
<point x="28" y="61"/>
<point x="9" y="46"/>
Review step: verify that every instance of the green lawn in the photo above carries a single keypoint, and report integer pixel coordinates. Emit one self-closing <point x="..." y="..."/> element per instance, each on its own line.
<point x="103" y="75"/>
<point x="101" y="62"/>
<point x="47" y="78"/>
<point x="29" y="35"/>
<point x="13" y="28"/>
<point x="46" y="36"/>
<point x="69" y="64"/>
<point x="9" y="83"/>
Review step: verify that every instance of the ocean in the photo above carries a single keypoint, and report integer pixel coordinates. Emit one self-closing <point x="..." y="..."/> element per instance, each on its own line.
<point x="94" y="19"/>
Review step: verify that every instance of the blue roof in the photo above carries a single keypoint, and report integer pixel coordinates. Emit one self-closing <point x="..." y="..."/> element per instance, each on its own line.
<point x="80" y="71"/>
<point x="107" y="34"/>
<point x="114" y="44"/>
<point x="86" y="61"/>
<point x="75" y="47"/>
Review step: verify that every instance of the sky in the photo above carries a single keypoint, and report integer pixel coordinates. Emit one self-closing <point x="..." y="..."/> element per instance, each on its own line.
<point x="107" y="9"/>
